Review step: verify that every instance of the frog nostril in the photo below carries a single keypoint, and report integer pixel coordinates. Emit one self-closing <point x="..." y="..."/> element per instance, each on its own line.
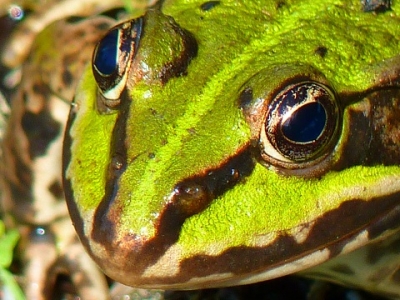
<point x="193" y="194"/>
<point x="191" y="198"/>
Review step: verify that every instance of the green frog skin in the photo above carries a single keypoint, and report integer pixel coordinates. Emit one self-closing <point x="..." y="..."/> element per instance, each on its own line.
<point x="213" y="144"/>
<point x="208" y="149"/>
<point x="228" y="142"/>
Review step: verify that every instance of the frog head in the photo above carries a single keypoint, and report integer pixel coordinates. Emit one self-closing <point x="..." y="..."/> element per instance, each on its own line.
<point x="229" y="142"/>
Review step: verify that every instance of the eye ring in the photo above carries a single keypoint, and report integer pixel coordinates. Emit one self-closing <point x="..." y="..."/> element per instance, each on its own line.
<point x="112" y="58"/>
<point x="301" y="123"/>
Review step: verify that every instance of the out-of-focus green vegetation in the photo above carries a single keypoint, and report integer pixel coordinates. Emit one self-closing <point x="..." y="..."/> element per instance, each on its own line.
<point x="9" y="287"/>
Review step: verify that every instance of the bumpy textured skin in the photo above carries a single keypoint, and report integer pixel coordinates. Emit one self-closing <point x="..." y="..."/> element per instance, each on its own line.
<point x="171" y="188"/>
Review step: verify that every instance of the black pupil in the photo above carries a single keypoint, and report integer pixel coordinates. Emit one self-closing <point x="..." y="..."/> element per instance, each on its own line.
<point x="106" y="54"/>
<point x="306" y="124"/>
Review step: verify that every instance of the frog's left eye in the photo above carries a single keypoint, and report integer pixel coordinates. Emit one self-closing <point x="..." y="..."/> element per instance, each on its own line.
<point x="300" y="125"/>
<point x="112" y="58"/>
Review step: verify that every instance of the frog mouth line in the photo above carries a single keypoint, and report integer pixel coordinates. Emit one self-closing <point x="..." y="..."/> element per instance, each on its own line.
<point x="285" y="248"/>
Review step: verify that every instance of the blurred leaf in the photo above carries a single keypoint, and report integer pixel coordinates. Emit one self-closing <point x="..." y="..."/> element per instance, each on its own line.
<point x="10" y="288"/>
<point x="7" y="245"/>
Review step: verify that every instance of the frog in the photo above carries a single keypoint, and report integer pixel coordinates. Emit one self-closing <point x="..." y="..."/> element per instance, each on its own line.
<point x="221" y="143"/>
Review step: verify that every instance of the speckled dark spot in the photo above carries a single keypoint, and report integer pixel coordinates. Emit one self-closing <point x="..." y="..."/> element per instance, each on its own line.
<point x="321" y="51"/>
<point x="280" y="4"/>
<point x="206" y="6"/>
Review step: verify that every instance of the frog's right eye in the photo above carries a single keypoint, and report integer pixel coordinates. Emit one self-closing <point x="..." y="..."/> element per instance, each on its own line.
<point x="112" y="58"/>
<point x="295" y="119"/>
<point x="301" y="123"/>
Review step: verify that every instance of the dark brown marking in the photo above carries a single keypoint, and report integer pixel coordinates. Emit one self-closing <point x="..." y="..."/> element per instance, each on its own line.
<point x="378" y="129"/>
<point x="207" y="6"/>
<point x="114" y="13"/>
<point x="67" y="77"/>
<point x="326" y="233"/>
<point x="74" y="19"/>
<point x="41" y="89"/>
<point x="56" y="190"/>
<point x="22" y="210"/>
<point x="321" y="51"/>
<point x="107" y="211"/>
<point x="358" y="135"/>
<point x="68" y="191"/>
<point x="41" y="129"/>
<point x="385" y="142"/>
<point x="59" y="284"/>
<point x="178" y="66"/>
<point x="103" y="26"/>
